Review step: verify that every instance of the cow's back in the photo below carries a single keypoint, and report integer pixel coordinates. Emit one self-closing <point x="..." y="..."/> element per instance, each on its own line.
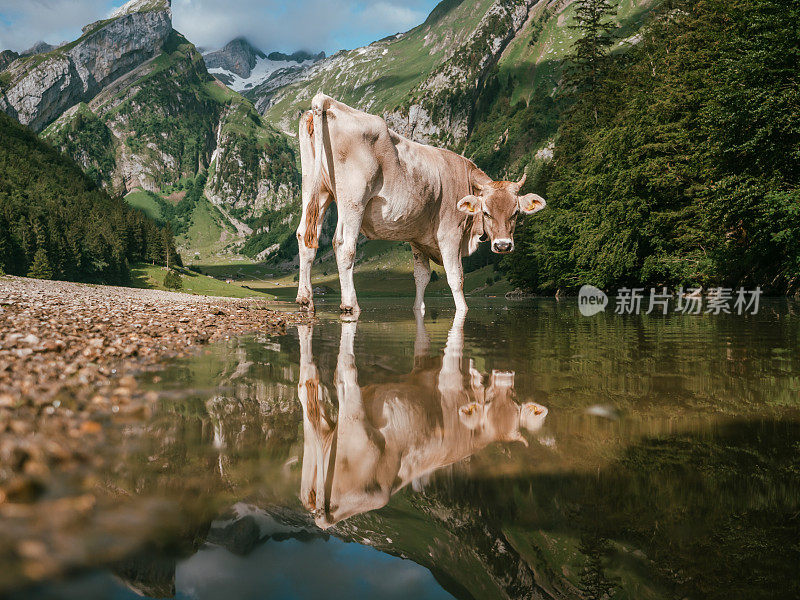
<point x="406" y="188"/>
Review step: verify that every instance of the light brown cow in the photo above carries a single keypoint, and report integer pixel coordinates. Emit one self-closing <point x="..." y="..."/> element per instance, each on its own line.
<point x="389" y="435"/>
<point x="390" y="188"/>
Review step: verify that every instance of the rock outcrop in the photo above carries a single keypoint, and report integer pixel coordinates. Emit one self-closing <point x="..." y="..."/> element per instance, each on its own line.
<point x="37" y="89"/>
<point x="238" y="56"/>
<point x="38" y="48"/>
<point x="7" y="57"/>
<point x="440" y="109"/>
<point x="298" y="57"/>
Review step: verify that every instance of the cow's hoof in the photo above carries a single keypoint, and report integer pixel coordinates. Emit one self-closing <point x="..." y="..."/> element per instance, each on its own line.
<point x="349" y="313"/>
<point x="306" y="304"/>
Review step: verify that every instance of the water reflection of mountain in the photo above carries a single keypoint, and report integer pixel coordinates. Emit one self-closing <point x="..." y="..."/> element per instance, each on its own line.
<point x="648" y="526"/>
<point x="699" y="513"/>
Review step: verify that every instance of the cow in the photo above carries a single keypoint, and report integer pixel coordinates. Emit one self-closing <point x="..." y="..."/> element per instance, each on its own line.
<point x="391" y="188"/>
<point x="390" y="435"/>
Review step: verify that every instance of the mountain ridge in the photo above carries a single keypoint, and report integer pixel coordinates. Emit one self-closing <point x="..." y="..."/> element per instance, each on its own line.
<point x="133" y="103"/>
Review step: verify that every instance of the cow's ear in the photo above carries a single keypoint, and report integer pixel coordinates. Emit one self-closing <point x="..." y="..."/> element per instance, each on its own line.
<point x="531" y="203"/>
<point x="469" y="204"/>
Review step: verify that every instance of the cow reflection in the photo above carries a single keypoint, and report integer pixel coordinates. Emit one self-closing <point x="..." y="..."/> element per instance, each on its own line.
<point x="388" y="435"/>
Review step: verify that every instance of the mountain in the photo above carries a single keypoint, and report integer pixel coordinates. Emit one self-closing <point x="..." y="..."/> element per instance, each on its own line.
<point x="36" y="89"/>
<point x="132" y="102"/>
<point x="238" y="56"/>
<point x="139" y="108"/>
<point x="7" y="57"/>
<point x="38" y="48"/>
<point x="298" y="57"/>
<point x="377" y="77"/>
<point x="56" y="224"/>
<point x="427" y="82"/>
<point x="480" y="77"/>
<point x="241" y="66"/>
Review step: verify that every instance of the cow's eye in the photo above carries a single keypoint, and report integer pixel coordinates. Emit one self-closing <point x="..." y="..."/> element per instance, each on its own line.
<point x="487" y="215"/>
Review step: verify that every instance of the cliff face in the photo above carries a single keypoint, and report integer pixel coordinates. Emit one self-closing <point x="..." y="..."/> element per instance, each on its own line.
<point x="424" y="82"/>
<point x="7" y="57"/>
<point x="238" y="56"/>
<point x="133" y="103"/>
<point x="168" y="120"/>
<point x="40" y="87"/>
<point x="439" y="109"/>
<point x="378" y="77"/>
<point x="253" y="169"/>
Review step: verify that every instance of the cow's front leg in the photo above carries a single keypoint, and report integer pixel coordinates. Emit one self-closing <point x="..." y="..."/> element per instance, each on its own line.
<point x="451" y="258"/>
<point x="346" y="238"/>
<point x="422" y="275"/>
<point x="305" y="296"/>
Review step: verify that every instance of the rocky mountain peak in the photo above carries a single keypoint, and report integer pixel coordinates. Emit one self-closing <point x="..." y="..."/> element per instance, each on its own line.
<point x="238" y="56"/>
<point x="139" y="6"/>
<point x="36" y="91"/>
<point x="38" y="48"/>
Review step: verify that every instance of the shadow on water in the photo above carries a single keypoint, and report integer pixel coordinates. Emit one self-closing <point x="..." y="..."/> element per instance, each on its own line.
<point x="534" y="455"/>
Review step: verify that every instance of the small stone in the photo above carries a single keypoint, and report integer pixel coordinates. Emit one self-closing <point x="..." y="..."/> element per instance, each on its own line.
<point x="91" y="427"/>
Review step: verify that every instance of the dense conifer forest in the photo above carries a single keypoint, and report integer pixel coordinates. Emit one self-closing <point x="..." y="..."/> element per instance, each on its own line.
<point x="677" y="158"/>
<point x="55" y="223"/>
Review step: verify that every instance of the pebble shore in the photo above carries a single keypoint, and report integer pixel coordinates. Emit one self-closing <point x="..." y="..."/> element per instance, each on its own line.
<point x="68" y="353"/>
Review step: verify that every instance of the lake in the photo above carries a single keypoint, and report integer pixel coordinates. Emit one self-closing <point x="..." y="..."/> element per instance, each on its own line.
<point x="524" y="452"/>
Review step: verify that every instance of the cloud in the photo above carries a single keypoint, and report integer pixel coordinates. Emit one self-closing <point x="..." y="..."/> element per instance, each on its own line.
<point x="24" y="23"/>
<point x="306" y="24"/>
<point x="283" y="25"/>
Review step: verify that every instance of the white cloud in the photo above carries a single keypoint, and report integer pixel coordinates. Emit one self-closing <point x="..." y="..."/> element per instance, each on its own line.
<point x="23" y="23"/>
<point x="289" y="26"/>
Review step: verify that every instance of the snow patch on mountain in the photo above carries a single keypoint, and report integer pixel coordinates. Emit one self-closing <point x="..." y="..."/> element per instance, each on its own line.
<point x="262" y="71"/>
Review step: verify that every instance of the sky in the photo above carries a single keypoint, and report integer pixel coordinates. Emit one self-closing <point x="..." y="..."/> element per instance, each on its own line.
<point x="285" y="26"/>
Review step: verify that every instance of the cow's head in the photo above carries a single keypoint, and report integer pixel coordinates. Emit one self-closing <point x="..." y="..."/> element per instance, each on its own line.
<point x="498" y="203"/>
<point x="498" y="417"/>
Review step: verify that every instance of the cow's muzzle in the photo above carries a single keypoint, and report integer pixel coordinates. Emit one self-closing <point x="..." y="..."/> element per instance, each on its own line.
<point x="502" y="246"/>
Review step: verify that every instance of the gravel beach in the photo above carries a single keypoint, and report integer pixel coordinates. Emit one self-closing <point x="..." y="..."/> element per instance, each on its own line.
<point x="68" y="353"/>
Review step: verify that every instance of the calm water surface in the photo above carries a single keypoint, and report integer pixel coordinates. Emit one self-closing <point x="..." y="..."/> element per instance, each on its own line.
<point x="526" y="452"/>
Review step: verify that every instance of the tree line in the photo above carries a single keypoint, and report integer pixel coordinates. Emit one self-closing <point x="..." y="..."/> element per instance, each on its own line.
<point x="55" y="223"/>
<point x="678" y="156"/>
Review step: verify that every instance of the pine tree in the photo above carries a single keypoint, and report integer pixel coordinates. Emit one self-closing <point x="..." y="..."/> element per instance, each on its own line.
<point x="41" y="269"/>
<point x="589" y="62"/>
<point x="172" y="280"/>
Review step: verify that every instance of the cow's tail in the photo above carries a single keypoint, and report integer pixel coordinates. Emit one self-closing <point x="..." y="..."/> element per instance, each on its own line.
<point x="312" y="210"/>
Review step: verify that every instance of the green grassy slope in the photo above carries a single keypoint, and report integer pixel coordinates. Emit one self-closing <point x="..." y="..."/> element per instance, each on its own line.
<point x="380" y="76"/>
<point x="535" y="57"/>
<point x="150" y="277"/>
<point x="208" y="233"/>
<point x="145" y="203"/>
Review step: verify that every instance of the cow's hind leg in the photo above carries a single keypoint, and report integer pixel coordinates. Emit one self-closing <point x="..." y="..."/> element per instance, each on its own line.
<point x="347" y="230"/>
<point x="305" y="297"/>
<point x="422" y="275"/>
